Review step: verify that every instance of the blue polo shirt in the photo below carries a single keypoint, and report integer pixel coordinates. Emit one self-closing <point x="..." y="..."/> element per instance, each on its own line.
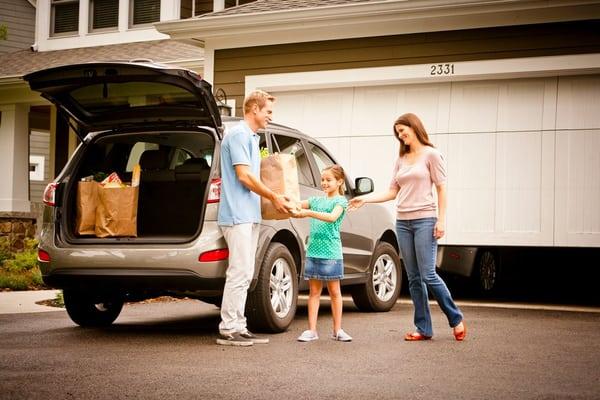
<point x="239" y="205"/>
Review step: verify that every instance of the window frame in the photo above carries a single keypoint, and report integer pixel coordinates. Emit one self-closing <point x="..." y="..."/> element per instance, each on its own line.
<point x="91" y="19"/>
<point x="53" y="4"/>
<point x="132" y="16"/>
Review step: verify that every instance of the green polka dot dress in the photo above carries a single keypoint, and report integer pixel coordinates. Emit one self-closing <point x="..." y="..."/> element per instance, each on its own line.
<point x="324" y="240"/>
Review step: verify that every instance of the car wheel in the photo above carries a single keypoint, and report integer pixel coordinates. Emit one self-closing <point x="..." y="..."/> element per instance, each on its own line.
<point x="487" y="272"/>
<point x="271" y="306"/>
<point x="381" y="290"/>
<point x="91" y="311"/>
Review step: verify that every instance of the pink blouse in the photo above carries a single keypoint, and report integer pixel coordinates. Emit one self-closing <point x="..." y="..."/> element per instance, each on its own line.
<point x="415" y="184"/>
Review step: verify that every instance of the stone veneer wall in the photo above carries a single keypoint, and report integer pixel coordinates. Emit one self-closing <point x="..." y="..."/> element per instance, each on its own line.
<point x="17" y="227"/>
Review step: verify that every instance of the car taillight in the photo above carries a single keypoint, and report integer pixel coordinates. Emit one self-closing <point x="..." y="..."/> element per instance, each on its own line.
<point x="214" y="191"/>
<point x="49" y="197"/>
<point x="43" y="256"/>
<point x="214" y="255"/>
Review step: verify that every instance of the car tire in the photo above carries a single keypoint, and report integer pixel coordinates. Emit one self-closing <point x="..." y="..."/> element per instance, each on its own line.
<point x="91" y="311"/>
<point x="382" y="288"/>
<point x="486" y="272"/>
<point x="271" y="306"/>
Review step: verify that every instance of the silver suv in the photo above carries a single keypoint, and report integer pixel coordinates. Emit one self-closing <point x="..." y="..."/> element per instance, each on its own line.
<point x="166" y="120"/>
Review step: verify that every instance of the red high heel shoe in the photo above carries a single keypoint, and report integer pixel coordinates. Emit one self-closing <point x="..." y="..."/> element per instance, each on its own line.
<point x="460" y="336"/>
<point x="414" y="336"/>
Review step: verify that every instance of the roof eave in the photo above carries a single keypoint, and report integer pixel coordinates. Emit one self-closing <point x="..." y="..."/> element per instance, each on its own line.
<point x="400" y="16"/>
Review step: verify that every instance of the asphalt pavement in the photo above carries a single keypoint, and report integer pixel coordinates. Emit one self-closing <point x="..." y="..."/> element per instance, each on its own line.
<point x="164" y="350"/>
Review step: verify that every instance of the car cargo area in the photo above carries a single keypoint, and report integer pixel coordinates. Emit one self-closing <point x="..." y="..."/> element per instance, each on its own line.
<point x="173" y="180"/>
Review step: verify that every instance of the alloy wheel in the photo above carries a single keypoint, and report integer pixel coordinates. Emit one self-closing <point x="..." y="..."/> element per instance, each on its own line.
<point x="385" y="277"/>
<point x="281" y="288"/>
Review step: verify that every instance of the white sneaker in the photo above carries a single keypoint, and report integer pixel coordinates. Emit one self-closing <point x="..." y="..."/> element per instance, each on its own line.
<point x="341" y="336"/>
<point x="308" y="336"/>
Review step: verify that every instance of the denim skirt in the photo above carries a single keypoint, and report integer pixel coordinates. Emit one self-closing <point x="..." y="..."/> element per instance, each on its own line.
<point x="323" y="269"/>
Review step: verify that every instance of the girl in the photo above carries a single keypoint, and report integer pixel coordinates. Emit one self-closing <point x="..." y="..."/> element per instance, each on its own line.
<point x="420" y="222"/>
<point x="324" y="252"/>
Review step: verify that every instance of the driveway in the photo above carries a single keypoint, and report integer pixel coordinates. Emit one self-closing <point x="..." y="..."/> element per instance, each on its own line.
<point x="166" y="350"/>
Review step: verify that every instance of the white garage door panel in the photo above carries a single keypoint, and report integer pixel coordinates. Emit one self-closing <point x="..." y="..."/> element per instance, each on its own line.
<point x="474" y="107"/>
<point x="578" y="188"/>
<point x="512" y="179"/>
<point x="471" y="162"/>
<point x="374" y="157"/>
<point x="578" y="104"/>
<point x="374" y="110"/>
<point x="526" y="105"/>
<point x="431" y="103"/>
<point x="319" y="113"/>
<point x="525" y="187"/>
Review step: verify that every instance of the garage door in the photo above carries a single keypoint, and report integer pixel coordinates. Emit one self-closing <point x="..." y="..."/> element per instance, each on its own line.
<point x="523" y="155"/>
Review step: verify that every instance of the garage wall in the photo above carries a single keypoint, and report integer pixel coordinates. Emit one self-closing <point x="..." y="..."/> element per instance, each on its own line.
<point x="523" y="154"/>
<point x="232" y="65"/>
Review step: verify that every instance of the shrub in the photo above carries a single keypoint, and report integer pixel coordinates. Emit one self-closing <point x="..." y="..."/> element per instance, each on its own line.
<point x="25" y="260"/>
<point x="4" y="250"/>
<point x="20" y="271"/>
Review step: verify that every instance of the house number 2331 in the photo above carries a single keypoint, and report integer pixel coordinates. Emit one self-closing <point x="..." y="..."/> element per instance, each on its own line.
<point x="441" y="69"/>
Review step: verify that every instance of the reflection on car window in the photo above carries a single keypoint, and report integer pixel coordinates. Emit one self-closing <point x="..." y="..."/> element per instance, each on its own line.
<point x="290" y="145"/>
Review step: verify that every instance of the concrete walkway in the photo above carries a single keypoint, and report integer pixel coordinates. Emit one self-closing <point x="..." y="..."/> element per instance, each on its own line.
<point x="24" y="301"/>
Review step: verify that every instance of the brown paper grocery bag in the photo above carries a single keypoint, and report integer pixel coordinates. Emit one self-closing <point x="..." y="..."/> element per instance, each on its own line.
<point x="279" y="173"/>
<point x="87" y="202"/>
<point x="116" y="214"/>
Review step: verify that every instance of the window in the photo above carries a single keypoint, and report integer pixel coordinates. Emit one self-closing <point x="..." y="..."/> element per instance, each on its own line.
<point x="65" y="16"/>
<point x="235" y="3"/>
<point x="290" y="145"/>
<point x="104" y="14"/>
<point x="136" y="153"/>
<point x="145" y="11"/>
<point x="103" y="98"/>
<point x="322" y="159"/>
<point x="179" y="157"/>
<point x="191" y="8"/>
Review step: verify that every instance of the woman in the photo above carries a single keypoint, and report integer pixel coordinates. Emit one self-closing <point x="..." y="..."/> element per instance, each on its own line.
<point x="419" y="223"/>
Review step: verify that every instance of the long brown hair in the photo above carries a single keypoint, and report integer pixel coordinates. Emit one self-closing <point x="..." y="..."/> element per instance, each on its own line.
<point x="412" y="121"/>
<point x="338" y="173"/>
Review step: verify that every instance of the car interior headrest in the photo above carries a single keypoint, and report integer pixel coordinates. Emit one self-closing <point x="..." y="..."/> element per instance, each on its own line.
<point x="154" y="160"/>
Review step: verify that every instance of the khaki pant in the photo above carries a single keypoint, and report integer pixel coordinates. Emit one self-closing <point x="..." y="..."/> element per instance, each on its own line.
<point x="242" y="241"/>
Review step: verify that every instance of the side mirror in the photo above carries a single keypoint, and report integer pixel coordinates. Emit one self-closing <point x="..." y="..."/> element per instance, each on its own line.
<point x="363" y="186"/>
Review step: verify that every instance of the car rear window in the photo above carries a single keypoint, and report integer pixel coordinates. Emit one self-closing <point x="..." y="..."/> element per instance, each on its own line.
<point x="117" y="96"/>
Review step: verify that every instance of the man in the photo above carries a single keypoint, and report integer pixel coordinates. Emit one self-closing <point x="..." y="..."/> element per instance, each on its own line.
<point x="239" y="214"/>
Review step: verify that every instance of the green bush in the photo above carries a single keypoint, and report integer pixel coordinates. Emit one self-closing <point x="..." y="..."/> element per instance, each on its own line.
<point x="4" y="251"/>
<point x="20" y="271"/>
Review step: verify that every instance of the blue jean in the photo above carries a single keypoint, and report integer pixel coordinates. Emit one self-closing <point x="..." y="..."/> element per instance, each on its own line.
<point x="418" y="248"/>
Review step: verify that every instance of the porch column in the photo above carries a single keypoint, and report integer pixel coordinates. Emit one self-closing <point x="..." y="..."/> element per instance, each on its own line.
<point x="14" y="158"/>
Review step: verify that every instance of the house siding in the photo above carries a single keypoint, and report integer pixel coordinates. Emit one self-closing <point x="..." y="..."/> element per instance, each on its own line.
<point x="19" y="18"/>
<point x="232" y="65"/>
